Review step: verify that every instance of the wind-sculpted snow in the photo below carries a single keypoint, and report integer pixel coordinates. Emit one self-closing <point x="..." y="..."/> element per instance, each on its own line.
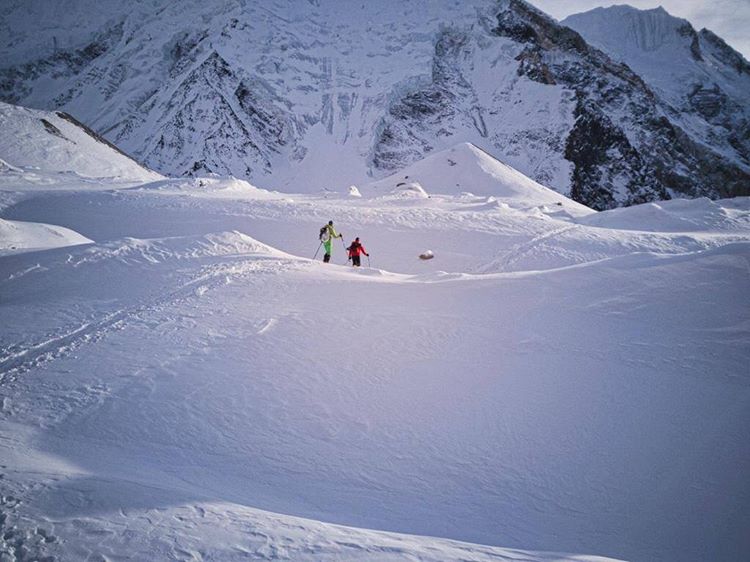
<point x="213" y="186"/>
<point x="5" y="167"/>
<point x="241" y="533"/>
<point x="191" y="384"/>
<point x="702" y="215"/>
<point x="140" y="264"/>
<point x="134" y="250"/>
<point x="17" y="236"/>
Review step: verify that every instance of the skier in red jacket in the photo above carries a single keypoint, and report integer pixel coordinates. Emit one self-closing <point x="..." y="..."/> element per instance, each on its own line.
<point x="355" y="249"/>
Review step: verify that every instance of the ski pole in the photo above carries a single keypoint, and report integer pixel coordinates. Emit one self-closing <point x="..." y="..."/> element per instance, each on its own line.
<point x="318" y="250"/>
<point x="368" y="260"/>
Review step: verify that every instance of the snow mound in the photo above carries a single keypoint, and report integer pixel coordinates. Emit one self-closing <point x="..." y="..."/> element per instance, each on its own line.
<point x="466" y="168"/>
<point x="158" y="250"/>
<point x="677" y="215"/>
<point x="409" y="190"/>
<point x="222" y="244"/>
<point x="215" y="186"/>
<point x="354" y="192"/>
<point x="20" y="236"/>
<point x="54" y="142"/>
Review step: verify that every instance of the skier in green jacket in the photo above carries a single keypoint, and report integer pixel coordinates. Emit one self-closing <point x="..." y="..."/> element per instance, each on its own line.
<point x="327" y="234"/>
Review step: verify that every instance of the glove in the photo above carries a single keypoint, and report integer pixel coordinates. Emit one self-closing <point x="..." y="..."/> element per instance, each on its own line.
<point x="368" y="255"/>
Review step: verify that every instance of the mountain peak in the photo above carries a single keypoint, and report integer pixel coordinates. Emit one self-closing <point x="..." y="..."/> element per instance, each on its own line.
<point x="466" y="168"/>
<point x="620" y="28"/>
<point x="54" y="143"/>
<point x="703" y="81"/>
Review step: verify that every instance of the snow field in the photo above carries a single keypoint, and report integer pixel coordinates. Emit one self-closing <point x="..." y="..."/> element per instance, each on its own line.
<point x="192" y="386"/>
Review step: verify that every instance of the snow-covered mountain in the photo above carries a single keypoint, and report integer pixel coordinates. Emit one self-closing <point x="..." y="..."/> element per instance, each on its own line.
<point x="287" y="93"/>
<point x="468" y="171"/>
<point x="704" y="83"/>
<point x="54" y="146"/>
<point x="303" y="96"/>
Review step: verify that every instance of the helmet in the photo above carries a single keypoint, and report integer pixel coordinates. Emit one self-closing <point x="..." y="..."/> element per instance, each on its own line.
<point x="330" y="222"/>
<point x="356" y="239"/>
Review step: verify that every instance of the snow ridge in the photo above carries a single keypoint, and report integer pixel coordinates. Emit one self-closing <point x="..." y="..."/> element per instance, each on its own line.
<point x="55" y="143"/>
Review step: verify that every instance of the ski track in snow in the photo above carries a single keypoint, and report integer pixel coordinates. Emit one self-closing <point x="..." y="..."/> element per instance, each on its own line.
<point x="510" y="257"/>
<point x="12" y="363"/>
<point x="267" y="326"/>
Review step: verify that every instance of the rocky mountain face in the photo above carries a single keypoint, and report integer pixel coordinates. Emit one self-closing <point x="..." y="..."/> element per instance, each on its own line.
<point x="627" y="144"/>
<point x="304" y="96"/>
<point x="702" y="84"/>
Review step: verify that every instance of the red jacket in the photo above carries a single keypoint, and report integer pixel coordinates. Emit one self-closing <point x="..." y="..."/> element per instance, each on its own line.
<point x="356" y="249"/>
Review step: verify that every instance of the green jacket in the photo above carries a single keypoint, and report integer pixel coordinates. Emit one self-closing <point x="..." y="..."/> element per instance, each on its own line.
<point x="331" y="235"/>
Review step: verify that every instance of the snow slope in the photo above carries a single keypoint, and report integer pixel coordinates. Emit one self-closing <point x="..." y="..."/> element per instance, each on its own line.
<point x="679" y="215"/>
<point x="468" y="170"/>
<point x="193" y="386"/>
<point x="666" y="51"/>
<point x="47" y="147"/>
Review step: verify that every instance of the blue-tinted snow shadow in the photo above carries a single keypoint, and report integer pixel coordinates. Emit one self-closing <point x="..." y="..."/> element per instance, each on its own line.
<point x="86" y="496"/>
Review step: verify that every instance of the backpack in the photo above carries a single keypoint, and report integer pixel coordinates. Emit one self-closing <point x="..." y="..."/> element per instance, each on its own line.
<point x="324" y="235"/>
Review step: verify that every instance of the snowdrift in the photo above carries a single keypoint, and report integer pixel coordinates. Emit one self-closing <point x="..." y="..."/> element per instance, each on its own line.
<point x="19" y="236"/>
<point x="213" y="186"/>
<point x="134" y="251"/>
<point x="677" y="215"/>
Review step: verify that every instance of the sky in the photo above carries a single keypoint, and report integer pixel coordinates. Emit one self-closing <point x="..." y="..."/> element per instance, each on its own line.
<point x="729" y="19"/>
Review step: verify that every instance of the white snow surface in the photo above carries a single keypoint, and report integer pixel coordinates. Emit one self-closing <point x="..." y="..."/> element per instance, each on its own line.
<point x="467" y="170"/>
<point x="192" y="386"/>
<point x="19" y="236"/>
<point x="656" y="45"/>
<point x="38" y="144"/>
